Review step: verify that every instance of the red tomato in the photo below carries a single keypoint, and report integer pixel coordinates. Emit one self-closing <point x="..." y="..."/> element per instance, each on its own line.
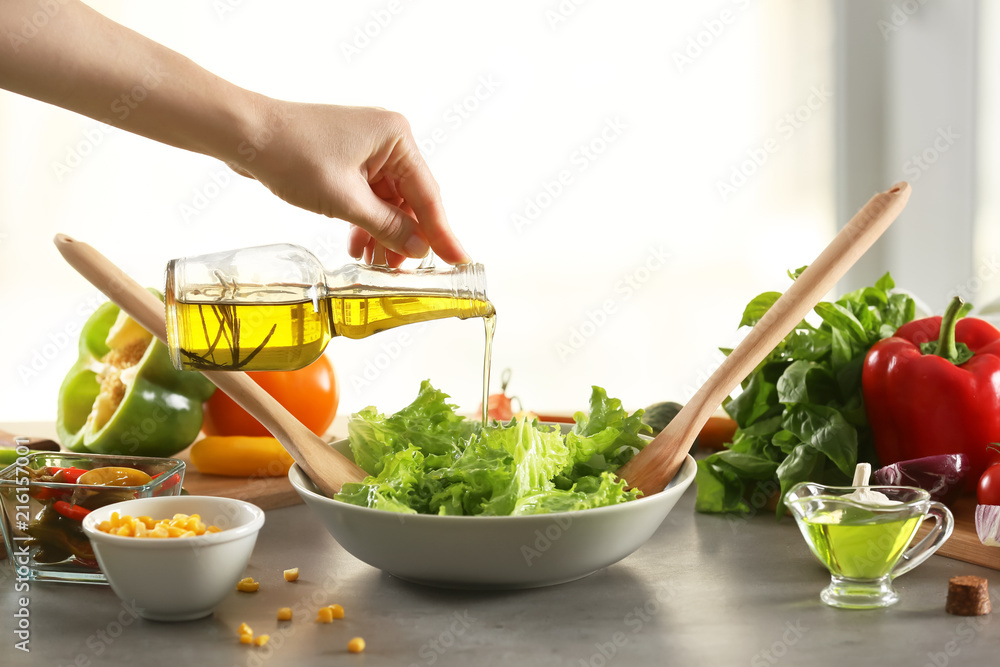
<point x="989" y="486"/>
<point x="498" y="408"/>
<point x="310" y="394"/>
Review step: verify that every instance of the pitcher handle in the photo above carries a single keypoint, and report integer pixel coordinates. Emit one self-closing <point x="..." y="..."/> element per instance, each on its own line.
<point x="944" y="524"/>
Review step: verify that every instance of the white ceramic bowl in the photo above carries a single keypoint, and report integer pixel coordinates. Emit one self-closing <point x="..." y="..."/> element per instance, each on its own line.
<point x="492" y="552"/>
<point x="177" y="579"/>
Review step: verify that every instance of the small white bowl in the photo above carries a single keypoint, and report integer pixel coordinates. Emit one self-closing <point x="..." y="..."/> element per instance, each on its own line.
<point x="493" y="552"/>
<point x="176" y="579"/>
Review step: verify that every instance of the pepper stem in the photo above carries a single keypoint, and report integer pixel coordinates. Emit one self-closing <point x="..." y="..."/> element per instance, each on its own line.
<point x="947" y="347"/>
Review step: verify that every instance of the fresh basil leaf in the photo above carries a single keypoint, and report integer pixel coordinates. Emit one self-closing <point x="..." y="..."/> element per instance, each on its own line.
<point x="809" y="345"/>
<point x="758" y="307"/>
<point x="867" y="296"/>
<point x="754" y="467"/>
<point x="885" y="283"/>
<point x="786" y="441"/>
<point x="843" y="320"/>
<point x="900" y="310"/>
<point x="755" y="439"/>
<point x="808" y="382"/>
<point x="758" y="400"/>
<point x="802" y="465"/>
<point x="848" y="376"/>
<point x="824" y="429"/>
<point x="841" y="349"/>
<point x="794" y="275"/>
<point x="719" y="489"/>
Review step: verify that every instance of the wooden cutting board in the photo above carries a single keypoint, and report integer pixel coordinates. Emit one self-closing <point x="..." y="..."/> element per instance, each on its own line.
<point x="964" y="544"/>
<point x="266" y="493"/>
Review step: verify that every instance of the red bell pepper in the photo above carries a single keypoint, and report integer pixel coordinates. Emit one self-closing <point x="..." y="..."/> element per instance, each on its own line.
<point x="934" y="388"/>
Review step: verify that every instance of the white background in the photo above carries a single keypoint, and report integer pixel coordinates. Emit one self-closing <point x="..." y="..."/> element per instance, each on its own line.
<point x="557" y="81"/>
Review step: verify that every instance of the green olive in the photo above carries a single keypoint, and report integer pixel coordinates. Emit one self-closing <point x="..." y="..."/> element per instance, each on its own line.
<point x="111" y="476"/>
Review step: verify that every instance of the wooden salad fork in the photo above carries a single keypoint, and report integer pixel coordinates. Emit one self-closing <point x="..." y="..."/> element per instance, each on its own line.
<point x="653" y="468"/>
<point x="326" y="467"/>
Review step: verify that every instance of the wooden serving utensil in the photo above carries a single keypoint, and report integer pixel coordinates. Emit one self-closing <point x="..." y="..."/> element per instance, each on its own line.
<point x="653" y="468"/>
<point x="9" y="440"/>
<point x="326" y="467"/>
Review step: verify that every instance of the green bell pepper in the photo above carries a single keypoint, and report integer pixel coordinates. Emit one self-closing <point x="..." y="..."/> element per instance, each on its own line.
<point x="123" y="396"/>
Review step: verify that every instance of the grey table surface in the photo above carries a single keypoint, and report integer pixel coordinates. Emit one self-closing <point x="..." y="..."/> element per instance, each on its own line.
<point x="705" y="590"/>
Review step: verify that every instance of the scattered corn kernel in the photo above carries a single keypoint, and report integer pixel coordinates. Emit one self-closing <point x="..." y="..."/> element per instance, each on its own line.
<point x="285" y="614"/>
<point x="336" y="610"/>
<point x="245" y="629"/>
<point x="356" y="645"/>
<point x="324" y="615"/>
<point x="261" y="640"/>
<point x="292" y="574"/>
<point x="246" y="638"/>
<point x="247" y="585"/>
<point x="180" y="525"/>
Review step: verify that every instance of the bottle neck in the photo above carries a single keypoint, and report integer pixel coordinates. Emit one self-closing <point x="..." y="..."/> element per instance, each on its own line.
<point x="464" y="282"/>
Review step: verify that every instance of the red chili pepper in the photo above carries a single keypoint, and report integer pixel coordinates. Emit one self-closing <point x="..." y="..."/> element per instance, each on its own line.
<point x="45" y="493"/>
<point x="69" y="475"/>
<point x="74" y="512"/>
<point x="169" y="483"/>
<point x="934" y="388"/>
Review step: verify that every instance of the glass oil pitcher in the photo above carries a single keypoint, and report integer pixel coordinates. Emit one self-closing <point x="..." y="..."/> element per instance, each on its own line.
<point x="275" y="307"/>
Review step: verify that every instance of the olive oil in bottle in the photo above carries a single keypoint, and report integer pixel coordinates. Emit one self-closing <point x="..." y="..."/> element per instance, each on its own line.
<point x="285" y="335"/>
<point x="276" y="307"/>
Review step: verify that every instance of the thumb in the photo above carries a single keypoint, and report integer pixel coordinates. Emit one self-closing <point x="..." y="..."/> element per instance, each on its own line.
<point x="388" y="224"/>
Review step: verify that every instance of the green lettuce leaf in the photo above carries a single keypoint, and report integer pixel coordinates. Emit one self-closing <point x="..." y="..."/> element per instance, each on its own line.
<point x="427" y="459"/>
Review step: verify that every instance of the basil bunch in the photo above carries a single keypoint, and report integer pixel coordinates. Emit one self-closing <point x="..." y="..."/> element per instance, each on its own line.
<point x="801" y="413"/>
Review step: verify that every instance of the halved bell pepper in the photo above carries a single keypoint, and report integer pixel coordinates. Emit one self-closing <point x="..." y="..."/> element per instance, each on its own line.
<point x="123" y="396"/>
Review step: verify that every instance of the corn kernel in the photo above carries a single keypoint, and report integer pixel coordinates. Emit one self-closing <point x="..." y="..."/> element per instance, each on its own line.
<point x="245" y="629"/>
<point x="248" y="585"/>
<point x="261" y="640"/>
<point x="356" y="645"/>
<point x="324" y="615"/>
<point x="292" y="574"/>
<point x="246" y="638"/>
<point x="285" y="614"/>
<point x="336" y="611"/>
<point x="181" y="525"/>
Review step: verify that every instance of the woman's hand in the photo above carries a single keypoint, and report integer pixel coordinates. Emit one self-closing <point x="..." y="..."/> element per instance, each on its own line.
<point x="356" y="163"/>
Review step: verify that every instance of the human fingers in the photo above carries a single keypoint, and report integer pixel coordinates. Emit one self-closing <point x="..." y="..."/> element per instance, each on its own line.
<point x="421" y="193"/>
<point x="357" y="240"/>
<point x="389" y="224"/>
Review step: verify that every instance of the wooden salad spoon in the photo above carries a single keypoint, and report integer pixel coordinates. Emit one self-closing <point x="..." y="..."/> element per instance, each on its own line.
<point x="326" y="467"/>
<point x="653" y="468"/>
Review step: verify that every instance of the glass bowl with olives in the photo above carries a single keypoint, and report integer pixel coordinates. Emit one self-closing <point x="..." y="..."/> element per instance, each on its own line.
<point x="46" y="495"/>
